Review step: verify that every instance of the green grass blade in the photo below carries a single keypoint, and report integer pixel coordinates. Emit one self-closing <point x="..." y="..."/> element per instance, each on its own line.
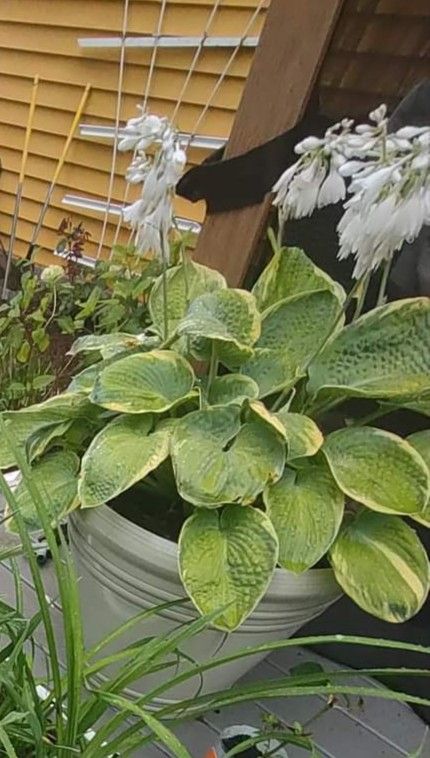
<point x="5" y="741"/>
<point x="160" y="730"/>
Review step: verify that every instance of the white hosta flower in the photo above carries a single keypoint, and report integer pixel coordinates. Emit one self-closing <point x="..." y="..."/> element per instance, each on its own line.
<point x="351" y="167"/>
<point x="307" y="144"/>
<point x="132" y="214"/>
<point x="333" y="189"/>
<point x="409" y="132"/>
<point x="152" y="233"/>
<point x="379" y="114"/>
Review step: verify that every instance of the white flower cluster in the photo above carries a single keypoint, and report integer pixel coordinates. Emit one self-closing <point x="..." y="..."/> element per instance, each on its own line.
<point x="389" y="185"/>
<point x="151" y="216"/>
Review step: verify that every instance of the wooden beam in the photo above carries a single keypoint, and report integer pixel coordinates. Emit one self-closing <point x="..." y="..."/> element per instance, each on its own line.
<point x="286" y="63"/>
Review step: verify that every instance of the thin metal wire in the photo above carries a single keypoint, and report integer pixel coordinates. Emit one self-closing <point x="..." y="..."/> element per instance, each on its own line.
<point x="154" y="53"/>
<point x="117" y="118"/>
<point x="145" y="102"/>
<point x="220" y="80"/>
<point x="195" y="58"/>
<point x="226" y="69"/>
<point x="20" y="184"/>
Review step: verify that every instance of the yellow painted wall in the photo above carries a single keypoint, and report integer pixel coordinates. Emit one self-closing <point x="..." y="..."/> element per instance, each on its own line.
<point x="39" y="37"/>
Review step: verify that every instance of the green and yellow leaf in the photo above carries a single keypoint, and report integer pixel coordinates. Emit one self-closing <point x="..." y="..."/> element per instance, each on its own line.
<point x="303" y="435"/>
<point x="292" y="332"/>
<point x="144" y="383"/>
<point x="55" y="478"/>
<point x="232" y="388"/>
<point x="123" y="453"/>
<point x="378" y="469"/>
<point x="226" y="318"/>
<point x="219" y="460"/>
<point x="183" y="285"/>
<point x="227" y="559"/>
<point x="290" y="272"/>
<point x="384" y="355"/>
<point x="380" y="563"/>
<point x="306" y="509"/>
<point x="421" y="442"/>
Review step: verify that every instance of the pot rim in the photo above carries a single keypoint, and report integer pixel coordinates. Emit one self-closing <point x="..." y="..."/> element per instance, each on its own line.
<point x="113" y="529"/>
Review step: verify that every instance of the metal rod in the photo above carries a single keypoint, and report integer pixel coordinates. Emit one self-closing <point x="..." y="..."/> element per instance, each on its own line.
<point x="151" y="41"/>
<point x="115" y="209"/>
<point x="60" y="164"/>
<point x="20" y="183"/>
<point x="200" y="141"/>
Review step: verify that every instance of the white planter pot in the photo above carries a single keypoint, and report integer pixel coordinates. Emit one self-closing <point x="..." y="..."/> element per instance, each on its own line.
<point x="124" y="569"/>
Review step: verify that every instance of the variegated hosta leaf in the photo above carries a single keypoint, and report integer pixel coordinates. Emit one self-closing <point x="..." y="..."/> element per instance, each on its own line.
<point x="378" y="469"/>
<point x="124" y="452"/>
<point x="292" y="331"/>
<point x="303" y="436"/>
<point x="32" y="420"/>
<point x="111" y="344"/>
<point x="232" y="388"/>
<point x="421" y="442"/>
<point x="145" y="382"/>
<point x="55" y="478"/>
<point x="39" y="442"/>
<point x="306" y="509"/>
<point x="84" y="381"/>
<point x="258" y="411"/>
<point x="218" y="460"/>
<point x="229" y="318"/>
<point x="183" y="286"/>
<point x="227" y="559"/>
<point x="380" y="563"/>
<point x="384" y="354"/>
<point x="290" y="272"/>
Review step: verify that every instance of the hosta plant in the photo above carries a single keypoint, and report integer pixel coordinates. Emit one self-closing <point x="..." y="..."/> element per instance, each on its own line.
<point x="219" y="423"/>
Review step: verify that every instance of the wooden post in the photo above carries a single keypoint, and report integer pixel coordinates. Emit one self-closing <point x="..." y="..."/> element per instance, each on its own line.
<point x="286" y="63"/>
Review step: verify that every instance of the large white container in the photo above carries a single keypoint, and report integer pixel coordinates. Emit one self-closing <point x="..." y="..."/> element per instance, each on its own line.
<point x="124" y="569"/>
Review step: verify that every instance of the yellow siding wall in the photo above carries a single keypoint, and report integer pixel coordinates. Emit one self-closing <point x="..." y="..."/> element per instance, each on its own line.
<point x="39" y="37"/>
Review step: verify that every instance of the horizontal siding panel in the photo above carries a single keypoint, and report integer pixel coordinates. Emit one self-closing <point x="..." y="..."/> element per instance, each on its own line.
<point x="106" y="15"/>
<point x="52" y="120"/>
<point x="165" y="85"/>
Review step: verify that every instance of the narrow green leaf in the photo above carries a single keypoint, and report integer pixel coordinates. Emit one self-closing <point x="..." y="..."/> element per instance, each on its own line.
<point x="160" y="730"/>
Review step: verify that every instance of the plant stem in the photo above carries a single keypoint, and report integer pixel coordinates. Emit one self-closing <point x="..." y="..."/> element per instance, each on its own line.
<point x="384" y="281"/>
<point x="213" y="369"/>
<point x="281" y="399"/>
<point x="164" y="257"/>
<point x="361" y="296"/>
<point x="381" y="411"/>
